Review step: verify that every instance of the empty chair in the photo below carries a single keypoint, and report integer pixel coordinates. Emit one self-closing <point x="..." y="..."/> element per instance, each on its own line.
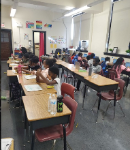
<point x="67" y="89"/>
<point x="55" y="132"/>
<point x="110" y="95"/>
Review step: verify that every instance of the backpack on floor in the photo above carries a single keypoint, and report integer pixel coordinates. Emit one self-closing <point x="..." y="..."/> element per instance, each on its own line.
<point x="15" y="90"/>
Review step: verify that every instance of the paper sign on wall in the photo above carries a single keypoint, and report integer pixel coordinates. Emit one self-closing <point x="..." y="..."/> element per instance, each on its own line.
<point x="29" y="25"/>
<point x="51" y="45"/>
<point x="38" y="24"/>
<point x="55" y="45"/>
<point x="26" y="36"/>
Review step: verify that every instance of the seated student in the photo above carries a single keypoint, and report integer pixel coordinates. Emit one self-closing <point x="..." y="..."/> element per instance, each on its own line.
<point x="75" y="59"/>
<point x="25" y="59"/>
<point x="72" y="57"/>
<point x="47" y="64"/>
<point x="23" y="50"/>
<point x="119" y="66"/>
<point x="106" y="64"/>
<point x="92" y="56"/>
<point x="53" y="73"/>
<point x="96" y="67"/>
<point x="33" y="65"/>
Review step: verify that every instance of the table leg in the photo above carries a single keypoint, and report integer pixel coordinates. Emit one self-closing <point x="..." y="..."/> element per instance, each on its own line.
<point x="99" y="101"/>
<point x="114" y="102"/>
<point x="84" y="96"/>
<point x="9" y="95"/>
<point x="33" y="140"/>
<point x="25" y="125"/>
<point x="64" y="133"/>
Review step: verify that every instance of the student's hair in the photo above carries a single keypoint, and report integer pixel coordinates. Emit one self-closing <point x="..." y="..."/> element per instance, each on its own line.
<point x="49" y="62"/>
<point x="118" y="63"/>
<point x="53" y="60"/>
<point x="26" y="55"/>
<point x="54" y="70"/>
<point x="107" y="59"/>
<point x="29" y="53"/>
<point x="35" y="59"/>
<point x="97" y="60"/>
<point x="92" y="55"/>
<point x="80" y="54"/>
<point x="88" y="57"/>
<point x="31" y="56"/>
<point x="24" y="50"/>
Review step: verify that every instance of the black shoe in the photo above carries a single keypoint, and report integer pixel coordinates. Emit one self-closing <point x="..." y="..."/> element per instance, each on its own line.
<point x="17" y="105"/>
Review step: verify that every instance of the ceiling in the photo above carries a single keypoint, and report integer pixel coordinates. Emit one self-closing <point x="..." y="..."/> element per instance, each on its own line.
<point x="52" y="5"/>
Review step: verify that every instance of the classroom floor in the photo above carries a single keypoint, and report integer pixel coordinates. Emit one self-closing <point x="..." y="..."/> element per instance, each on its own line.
<point x="87" y="135"/>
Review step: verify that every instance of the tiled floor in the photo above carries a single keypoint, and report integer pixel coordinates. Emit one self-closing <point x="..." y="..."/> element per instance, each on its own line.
<point x="87" y="135"/>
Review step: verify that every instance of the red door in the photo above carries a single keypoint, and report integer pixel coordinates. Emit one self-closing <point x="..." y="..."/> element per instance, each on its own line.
<point x="6" y="44"/>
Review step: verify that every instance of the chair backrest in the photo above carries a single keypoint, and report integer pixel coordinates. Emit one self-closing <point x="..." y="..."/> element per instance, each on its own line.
<point x="112" y="74"/>
<point x="69" y="60"/>
<point x="101" y="72"/>
<point x="121" y="86"/>
<point x="67" y="89"/>
<point x="72" y="105"/>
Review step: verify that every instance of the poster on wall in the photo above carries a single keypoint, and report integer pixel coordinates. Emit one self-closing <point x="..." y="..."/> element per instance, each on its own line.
<point x="26" y="36"/>
<point x="61" y="40"/>
<point x="38" y="24"/>
<point x="48" y="25"/>
<point x="29" y="25"/>
<point x="53" y="39"/>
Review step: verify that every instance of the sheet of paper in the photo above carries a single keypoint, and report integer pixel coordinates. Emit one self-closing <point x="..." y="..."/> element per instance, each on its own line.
<point x="34" y="87"/>
<point x="14" y="71"/>
<point x="6" y="143"/>
<point x="30" y="77"/>
<point x="13" y="64"/>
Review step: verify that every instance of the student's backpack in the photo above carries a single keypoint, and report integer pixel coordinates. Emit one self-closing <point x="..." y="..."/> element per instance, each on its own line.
<point x="75" y="59"/>
<point x="104" y="67"/>
<point x="15" y="91"/>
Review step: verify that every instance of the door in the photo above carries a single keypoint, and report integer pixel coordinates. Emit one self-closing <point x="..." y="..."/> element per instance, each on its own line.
<point x="6" y="44"/>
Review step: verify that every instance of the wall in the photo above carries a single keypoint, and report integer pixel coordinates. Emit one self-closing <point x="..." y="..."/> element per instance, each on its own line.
<point x="120" y="31"/>
<point x="27" y="14"/>
<point x="5" y="16"/>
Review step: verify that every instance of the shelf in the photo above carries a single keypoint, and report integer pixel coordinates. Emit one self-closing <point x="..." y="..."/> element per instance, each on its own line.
<point x="118" y="55"/>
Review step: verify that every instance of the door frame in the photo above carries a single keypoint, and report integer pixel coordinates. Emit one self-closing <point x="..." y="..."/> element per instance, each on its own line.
<point x="44" y="40"/>
<point x="9" y="30"/>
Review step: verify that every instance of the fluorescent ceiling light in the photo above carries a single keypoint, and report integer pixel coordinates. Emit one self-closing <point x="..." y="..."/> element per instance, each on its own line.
<point x="13" y="11"/>
<point x="76" y="11"/>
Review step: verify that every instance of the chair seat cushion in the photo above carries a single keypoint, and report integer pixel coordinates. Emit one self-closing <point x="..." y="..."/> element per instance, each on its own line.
<point x="107" y="96"/>
<point x="49" y="133"/>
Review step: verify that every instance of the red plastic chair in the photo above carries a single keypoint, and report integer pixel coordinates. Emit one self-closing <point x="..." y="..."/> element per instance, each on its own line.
<point x="110" y="95"/>
<point x="55" y="132"/>
<point x="67" y="89"/>
<point x="112" y="74"/>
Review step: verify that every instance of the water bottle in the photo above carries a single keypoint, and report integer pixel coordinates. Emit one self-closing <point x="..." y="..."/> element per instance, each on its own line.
<point x="53" y="105"/>
<point x="60" y="103"/>
<point x="90" y="70"/>
<point x="20" y="70"/>
<point x="49" y="103"/>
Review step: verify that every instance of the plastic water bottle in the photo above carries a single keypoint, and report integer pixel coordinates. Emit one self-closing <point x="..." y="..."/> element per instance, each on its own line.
<point x="20" y="70"/>
<point x="49" y="103"/>
<point x="53" y="105"/>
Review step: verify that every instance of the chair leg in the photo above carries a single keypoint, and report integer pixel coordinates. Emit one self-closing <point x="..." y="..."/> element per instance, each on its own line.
<point x="94" y="104"/>
<point x="121" y="108"/>
<point x="106" y="109"/>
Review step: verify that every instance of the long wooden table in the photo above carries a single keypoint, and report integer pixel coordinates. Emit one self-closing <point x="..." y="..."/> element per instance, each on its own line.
<point x="98" y="83"/>
<point x="36" y="112"/>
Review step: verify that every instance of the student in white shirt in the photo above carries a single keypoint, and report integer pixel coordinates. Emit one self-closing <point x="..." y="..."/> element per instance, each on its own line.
<point x="96" y="67"/>
<point x="92" y="56"/>
<point x="53" y="73"/>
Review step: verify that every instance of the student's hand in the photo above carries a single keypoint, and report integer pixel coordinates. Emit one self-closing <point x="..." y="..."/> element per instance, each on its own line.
<point x="33" y="72"/>
<point x="38" y="73"/>
<point x="48" y="77"/>
<point x="37" y="78"/>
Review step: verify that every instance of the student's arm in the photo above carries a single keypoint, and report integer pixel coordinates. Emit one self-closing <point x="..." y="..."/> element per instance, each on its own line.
<point x="27" y="71"/>
<point x="100" y="62"/>
<point x="44" y="80"/>
<point x="109" y="64"/>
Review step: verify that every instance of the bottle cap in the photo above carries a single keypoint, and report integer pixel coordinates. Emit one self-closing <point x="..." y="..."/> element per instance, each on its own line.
<point x="60" y="97"/>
